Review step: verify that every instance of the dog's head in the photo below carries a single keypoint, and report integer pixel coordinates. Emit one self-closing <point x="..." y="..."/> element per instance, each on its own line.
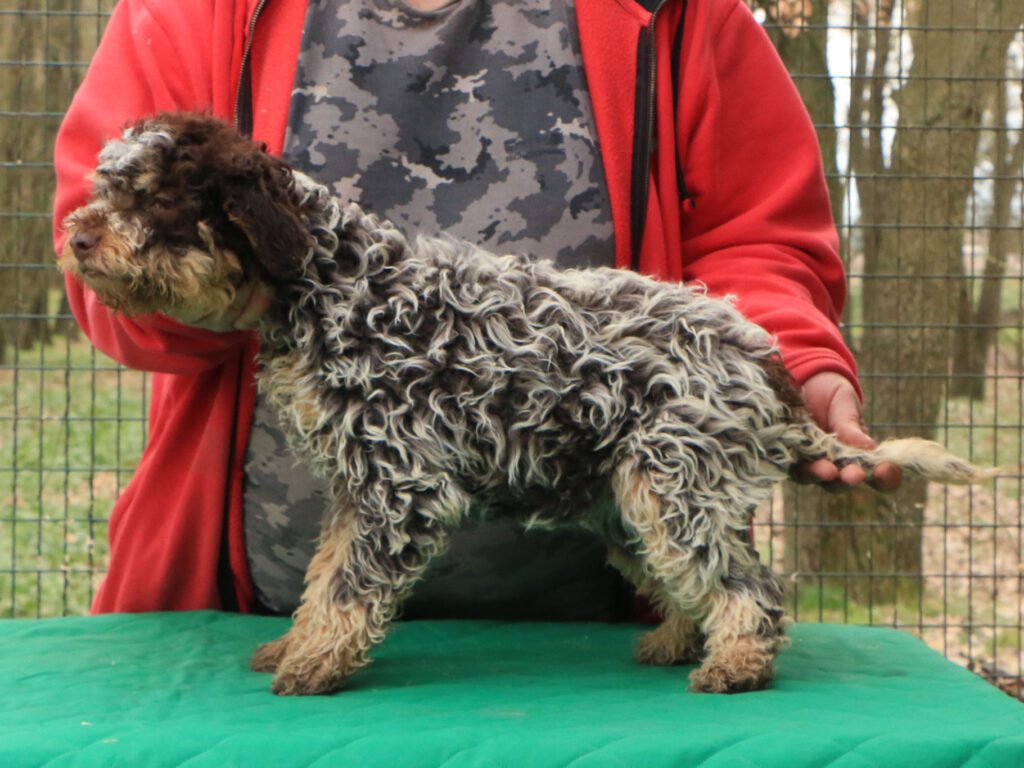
<point x="185" y="211"/>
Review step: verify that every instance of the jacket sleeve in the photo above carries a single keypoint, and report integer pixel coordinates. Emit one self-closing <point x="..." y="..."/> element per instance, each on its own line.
<point x="140" y="68"/>
<point x="759" y="226"/>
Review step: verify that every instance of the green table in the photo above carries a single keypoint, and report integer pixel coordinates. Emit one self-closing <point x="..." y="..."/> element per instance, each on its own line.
<point x="174" y="689"/>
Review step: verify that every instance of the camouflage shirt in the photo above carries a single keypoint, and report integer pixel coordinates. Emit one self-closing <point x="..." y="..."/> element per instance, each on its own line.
<point x="473" y="120"/>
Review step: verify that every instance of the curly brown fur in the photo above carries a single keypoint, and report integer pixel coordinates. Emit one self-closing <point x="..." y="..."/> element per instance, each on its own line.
<point x="420" y="376"/>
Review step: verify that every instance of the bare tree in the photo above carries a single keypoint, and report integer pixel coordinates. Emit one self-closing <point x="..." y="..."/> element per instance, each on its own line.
<point x="977" y="318"/>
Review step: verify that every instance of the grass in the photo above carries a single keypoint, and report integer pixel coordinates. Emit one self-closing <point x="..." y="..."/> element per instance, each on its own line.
<point x="72" y="428"/>
<point x="827" y="601"/>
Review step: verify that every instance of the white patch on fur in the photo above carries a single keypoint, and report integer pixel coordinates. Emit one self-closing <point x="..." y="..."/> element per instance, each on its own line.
<point x="130" y="153"/>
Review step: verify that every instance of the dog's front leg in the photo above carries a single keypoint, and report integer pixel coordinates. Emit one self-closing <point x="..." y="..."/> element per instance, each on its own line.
<point x="368" y="558"/>
<point x="328" y="639"/>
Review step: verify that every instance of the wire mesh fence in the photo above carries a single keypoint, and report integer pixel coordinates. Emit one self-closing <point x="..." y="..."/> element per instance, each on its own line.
<point x="919" y="111"/>
<point x="918" y="107"/>
<point x="71" y="422"/>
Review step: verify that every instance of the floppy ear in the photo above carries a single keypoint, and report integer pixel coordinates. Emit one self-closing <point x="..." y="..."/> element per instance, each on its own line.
<point x="257" y="201"/>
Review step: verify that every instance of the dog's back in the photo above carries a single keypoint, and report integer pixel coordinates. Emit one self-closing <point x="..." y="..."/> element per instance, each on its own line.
<point x="531" y="376"/>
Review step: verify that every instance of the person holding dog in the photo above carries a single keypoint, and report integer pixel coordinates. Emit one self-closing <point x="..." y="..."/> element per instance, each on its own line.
<point x="660" y="136"/>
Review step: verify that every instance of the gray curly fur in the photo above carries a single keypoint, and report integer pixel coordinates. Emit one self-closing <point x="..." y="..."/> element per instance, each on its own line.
<point x="441" y="373"/>
<point x="509" y="375"/>
<point x="418" y="376"/>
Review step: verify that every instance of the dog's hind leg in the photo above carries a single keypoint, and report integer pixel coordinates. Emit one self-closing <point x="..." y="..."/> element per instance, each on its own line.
<point x="371" y="553"/>
<point x="708" y="571"/>
<point x="744" y="628"/>
<point x="677" y="640"/>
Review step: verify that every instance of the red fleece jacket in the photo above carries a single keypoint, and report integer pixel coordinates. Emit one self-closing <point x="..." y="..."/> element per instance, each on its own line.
<point x="757" y="225"/>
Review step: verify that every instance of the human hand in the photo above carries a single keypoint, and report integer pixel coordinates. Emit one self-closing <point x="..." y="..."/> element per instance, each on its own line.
<point x="250" y="302"/>
<point x="833" y="404"/>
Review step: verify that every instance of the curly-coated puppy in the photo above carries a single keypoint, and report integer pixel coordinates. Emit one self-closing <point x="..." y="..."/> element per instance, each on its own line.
<point x="418" y="376"/>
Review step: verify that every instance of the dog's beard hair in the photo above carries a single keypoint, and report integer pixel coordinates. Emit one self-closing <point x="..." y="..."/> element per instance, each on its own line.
<point x="134" y="278"/>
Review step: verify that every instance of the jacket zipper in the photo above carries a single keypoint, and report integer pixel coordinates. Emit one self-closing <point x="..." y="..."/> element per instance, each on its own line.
<point x="243" y="109"/>
<point x="643" y="136"/>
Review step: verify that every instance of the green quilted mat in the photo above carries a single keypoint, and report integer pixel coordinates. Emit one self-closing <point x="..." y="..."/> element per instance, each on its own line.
<point x="174" y="689"/>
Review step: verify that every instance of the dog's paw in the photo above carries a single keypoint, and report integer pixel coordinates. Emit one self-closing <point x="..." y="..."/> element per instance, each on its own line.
<point x="664" y="647"/>
<point x="307" y="678"/>
<point x="739" y="671"/>
<point x="268" y="656"/>
<point x="721" y="679"/>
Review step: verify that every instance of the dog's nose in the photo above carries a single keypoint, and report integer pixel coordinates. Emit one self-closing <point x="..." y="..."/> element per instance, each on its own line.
<point x="84" y="245"/>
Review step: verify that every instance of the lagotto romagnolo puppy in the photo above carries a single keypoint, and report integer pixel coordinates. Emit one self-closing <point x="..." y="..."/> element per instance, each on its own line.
<point x="418" y="376"/>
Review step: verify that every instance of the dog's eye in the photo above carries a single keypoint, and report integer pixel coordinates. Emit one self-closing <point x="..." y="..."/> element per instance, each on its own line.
<point x="164" y="202"/>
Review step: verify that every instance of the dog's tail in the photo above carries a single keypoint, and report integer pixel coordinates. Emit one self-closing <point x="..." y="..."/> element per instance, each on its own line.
<point x="927" y="459"/>
<point x="914" y="455"/>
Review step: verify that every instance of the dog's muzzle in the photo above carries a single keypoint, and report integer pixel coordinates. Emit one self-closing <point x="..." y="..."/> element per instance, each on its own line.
<point x="84" y="245"/>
